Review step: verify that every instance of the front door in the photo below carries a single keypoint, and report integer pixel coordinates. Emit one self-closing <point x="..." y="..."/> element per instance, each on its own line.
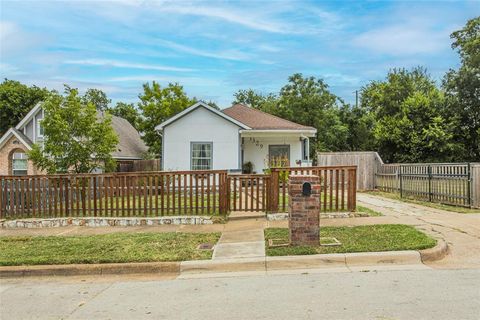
<point x="279" y="155"/>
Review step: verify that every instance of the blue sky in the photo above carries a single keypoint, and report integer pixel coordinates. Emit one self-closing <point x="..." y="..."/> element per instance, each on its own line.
<point x="215" y="48"/>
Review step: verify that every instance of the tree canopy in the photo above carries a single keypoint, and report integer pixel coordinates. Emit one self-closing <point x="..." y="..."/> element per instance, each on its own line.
<point x="157" y="104"/>
<point x="462" y="90"/>
<point x="16" y="100"/>
<point x="76" y="138"/>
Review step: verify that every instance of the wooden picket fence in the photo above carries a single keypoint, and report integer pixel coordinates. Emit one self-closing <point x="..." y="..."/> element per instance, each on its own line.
<point x="114" y="195"/>
<point x="449" y="183"/>
<point x="150" y="194"/>
<point x="338" y="187"/>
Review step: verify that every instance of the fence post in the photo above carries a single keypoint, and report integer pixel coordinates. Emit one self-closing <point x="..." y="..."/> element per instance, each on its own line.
<point x="430" y="183"/>
<point x="469" y="185"/>
<point x="400" y="179"/>
<point x="95" y="196"/>
<point x="274" y="184"/>
<point x="223" y="193"/>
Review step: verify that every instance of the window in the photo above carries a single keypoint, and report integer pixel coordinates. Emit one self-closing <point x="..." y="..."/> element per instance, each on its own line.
<point x="305" y="149"/>
<point x="39" y="129"/>
<point x="19" y="164"/>
<point x="201" y="155"/>
<point x="279" y="155"/>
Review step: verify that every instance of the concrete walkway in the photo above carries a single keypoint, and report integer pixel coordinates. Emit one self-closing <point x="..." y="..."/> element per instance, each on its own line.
<point x="241" y="239"/>
<point x="461" y="231"/>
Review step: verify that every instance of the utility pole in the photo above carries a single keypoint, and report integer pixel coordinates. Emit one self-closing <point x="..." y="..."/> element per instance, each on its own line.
<point x="356" y="98"/>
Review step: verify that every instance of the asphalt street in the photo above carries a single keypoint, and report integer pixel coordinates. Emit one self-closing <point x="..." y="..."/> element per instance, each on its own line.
<point x="407" y="294"/>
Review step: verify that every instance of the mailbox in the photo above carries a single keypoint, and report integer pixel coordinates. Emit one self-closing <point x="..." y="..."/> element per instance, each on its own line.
<point x="306" y="189"/>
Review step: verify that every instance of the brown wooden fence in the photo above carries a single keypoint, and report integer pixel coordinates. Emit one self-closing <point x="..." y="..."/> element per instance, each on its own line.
<point x="338" y="193"/>
<point x="449" y="183"/>
<point x="152" y="194"/>
<point x="249" y="192"/>
<point x="138" y="165"/>
<point x="114" y="195"/>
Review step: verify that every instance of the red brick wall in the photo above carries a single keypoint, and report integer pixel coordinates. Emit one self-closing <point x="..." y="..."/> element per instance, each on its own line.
<point x="6" y="152"/>
<point x="304" y="212"/>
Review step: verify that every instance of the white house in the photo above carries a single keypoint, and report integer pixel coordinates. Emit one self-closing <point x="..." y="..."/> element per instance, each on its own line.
<point x="203" y="138"/>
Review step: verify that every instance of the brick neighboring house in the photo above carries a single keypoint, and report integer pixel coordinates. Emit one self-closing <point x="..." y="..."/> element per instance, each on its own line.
<point x="18" y="140"/>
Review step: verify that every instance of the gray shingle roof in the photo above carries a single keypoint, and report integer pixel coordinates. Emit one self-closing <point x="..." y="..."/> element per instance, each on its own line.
<point x="130" y="143"/>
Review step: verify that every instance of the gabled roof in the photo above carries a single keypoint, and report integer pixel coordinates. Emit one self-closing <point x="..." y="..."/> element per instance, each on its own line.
<point x="197" y="105"/>
<point x="130" y="144"/>
<point x="19" y="135"/>
<point x="259" y="120"/>
<point x="29" y="116"/>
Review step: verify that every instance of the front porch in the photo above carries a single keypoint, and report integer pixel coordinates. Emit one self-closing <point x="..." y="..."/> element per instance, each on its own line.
<point x="260" y="147"/>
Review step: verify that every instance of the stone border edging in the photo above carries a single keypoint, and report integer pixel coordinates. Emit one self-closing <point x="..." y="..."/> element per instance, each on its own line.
<point x="103" y="222"/>
<point x="436" y="253"/>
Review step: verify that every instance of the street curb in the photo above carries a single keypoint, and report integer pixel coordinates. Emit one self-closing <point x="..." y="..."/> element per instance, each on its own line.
<point x="340" y="260"/>
<point x="222" y="265"/>
<point x="90" y="269"/>
<point x="436" y="253"/>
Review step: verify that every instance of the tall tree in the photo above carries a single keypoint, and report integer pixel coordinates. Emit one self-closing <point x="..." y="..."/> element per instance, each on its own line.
<point x="128" y="112"/>
<point x="98" y="98"/>
<point x="308" y="101"/>
<point x="462" y="89"/>
<point x="75" y="138"/>
<point x="257" y="100"/>
<point x="360" y="124"/>
<point x="16" y="100"/>
<point x="410" y="125"/>
<point x="157" y="105"/>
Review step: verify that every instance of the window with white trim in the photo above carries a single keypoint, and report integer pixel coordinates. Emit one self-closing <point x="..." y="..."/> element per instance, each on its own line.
<point x="201" y="155"/>
<point x="39" y="129"/>
<point x="19" y="164"/>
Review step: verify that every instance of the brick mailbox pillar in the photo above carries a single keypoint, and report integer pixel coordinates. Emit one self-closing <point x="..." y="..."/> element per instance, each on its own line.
<point x="304" y="209"/>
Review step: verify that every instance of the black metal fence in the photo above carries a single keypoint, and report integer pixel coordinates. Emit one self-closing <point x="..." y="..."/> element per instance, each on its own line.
<point x="450" y="183"/>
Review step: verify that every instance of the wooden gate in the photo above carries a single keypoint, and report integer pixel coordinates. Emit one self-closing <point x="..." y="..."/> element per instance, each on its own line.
<point x="248" y="192"/>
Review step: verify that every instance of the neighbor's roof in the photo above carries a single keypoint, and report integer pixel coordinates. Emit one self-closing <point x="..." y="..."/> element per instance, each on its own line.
<point x="19" y="135"/>
<point x="259" y="120"/>
<point x="130" y="144"/>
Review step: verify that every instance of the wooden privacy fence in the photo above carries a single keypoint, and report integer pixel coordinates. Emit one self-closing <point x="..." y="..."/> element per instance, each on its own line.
<point x="138" y="165"/>
<point x="150" y="194"/>
<point x="338" y="187"/>
<point x="114" y="195"/>
<point x="449" y="183"/>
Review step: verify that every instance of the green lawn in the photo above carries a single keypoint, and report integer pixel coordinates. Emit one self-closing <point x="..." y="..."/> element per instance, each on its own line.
<point x="435" y="205"/>
<point x="370" y="212"/>
<point x="108" y="248"/>
<point x="355" y="239"/>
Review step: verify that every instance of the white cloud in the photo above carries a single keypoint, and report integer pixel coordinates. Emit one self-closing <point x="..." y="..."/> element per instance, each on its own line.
<point x="121" y="64"/>
<point x="225" y="54"/>
<point x="13" y="39"/>
<point x="404" y="39"/>
<point x="192" y="81"/>
<point x="246" y="19"/>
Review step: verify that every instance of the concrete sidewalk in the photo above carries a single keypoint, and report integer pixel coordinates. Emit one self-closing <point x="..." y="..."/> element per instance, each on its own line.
<point x="241" y="239"/>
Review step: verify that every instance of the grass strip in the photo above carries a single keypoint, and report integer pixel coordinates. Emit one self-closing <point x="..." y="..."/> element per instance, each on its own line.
<point x="387" y="237"/>
<point x="107" y="248"/>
